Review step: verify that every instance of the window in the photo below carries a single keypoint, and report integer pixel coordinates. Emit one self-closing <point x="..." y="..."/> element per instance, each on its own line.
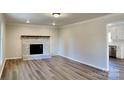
<point x="109" y="37"/>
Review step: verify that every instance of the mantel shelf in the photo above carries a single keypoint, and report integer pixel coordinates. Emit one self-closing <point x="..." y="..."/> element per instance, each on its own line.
<point x="33" y="36"/>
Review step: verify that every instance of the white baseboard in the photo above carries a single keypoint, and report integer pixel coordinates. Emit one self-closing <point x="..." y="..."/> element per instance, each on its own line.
<point x="103" y="69"/>
<point x="13" y="58"/>
<point x="2" y="67"/>
<point x="54" y="55"/>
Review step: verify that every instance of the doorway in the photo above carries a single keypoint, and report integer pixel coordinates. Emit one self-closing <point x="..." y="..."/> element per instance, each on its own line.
<point x="115" y="52"/>
<point x="115" y="32"/>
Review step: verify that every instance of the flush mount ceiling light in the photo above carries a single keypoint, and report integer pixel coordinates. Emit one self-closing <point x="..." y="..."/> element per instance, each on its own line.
<point x="56" y="14"/>
<point x="53" y="24"/>
<point x="28" y="21"/>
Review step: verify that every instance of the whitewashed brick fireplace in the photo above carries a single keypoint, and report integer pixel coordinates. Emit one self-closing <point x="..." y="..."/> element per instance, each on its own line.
<point x="32" y="43"/>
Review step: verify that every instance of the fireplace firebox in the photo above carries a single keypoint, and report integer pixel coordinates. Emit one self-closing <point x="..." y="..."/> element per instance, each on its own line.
<point x="36" y="49"/>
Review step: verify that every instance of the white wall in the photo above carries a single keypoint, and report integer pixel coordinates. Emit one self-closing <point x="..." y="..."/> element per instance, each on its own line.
<point x="13" y="37"/>
<point x="86" y="41"/>
<point x="54" y="41"/>
<point x="2" y="44"/>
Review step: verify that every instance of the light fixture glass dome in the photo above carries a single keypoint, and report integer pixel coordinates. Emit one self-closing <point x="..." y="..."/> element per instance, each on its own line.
<point x="56" y="14"/>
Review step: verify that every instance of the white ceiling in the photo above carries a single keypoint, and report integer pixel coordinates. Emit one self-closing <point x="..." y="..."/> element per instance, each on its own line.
<point x="48" y="19"/>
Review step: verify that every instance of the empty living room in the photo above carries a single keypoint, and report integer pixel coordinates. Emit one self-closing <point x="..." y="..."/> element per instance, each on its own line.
<point x="59" y="46"/>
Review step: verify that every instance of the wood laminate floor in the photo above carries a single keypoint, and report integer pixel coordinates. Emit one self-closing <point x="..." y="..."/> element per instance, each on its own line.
<point x="116" y="69"/>
<point x="58" y="68"/>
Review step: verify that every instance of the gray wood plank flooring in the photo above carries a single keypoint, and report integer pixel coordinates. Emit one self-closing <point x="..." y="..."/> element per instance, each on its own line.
<point x="59" y="68"/>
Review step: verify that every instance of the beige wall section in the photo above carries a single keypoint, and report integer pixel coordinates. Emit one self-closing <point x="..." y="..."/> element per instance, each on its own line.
<point x="54" y="41"/>
<point x="14" y="32"/>
<point x="3" y="31"/>
<point x="86" y="41"/>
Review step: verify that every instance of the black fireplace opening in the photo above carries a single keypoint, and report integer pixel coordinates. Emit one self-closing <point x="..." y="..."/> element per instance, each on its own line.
<point x="36" y="49"/>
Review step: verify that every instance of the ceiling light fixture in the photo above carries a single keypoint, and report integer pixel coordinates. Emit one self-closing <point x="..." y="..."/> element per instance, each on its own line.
<point x="56" y="14"/>
<point x="28" y="21"/>
<point x="53" y="24"/>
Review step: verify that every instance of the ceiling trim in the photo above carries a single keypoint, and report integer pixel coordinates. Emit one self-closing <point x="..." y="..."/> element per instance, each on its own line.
<point x="93" y="19"/>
